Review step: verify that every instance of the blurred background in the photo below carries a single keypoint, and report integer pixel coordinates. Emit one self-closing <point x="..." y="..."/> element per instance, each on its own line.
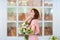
<point x="14" y="12"/>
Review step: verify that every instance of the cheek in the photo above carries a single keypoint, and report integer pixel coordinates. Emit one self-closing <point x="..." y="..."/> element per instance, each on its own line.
<point x="32" y="14"/>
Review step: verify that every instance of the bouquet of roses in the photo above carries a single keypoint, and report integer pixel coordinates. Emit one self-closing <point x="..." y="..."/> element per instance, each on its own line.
<point x="24" y="29"/>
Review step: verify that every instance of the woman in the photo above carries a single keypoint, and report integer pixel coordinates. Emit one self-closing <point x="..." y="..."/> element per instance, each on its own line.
<point x="33" y="21"/>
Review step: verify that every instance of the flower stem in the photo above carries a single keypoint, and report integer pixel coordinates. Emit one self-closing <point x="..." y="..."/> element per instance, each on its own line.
<point x="26" y="37"/>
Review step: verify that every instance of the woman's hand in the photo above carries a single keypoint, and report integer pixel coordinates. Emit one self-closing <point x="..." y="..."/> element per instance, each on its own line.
<point x="28" y="18"/>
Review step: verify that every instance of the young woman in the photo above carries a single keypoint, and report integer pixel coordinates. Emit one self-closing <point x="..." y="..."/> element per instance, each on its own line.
<point x="33" y="21"/>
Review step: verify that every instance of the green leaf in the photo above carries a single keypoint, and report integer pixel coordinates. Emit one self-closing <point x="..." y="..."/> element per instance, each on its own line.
<point x="26" y="37"/>
<point x="53" y="38"/>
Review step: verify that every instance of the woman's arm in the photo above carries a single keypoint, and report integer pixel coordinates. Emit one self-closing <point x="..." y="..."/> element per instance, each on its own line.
<point x="37" y="29"/>
<point x="33" y="29"/>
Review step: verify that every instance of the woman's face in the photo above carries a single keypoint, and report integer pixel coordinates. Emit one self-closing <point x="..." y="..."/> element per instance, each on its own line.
<point x="32" y="13"/>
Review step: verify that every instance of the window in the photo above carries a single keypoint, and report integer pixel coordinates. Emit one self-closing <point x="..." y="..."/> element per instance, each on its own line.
<point x="18" y="10"/>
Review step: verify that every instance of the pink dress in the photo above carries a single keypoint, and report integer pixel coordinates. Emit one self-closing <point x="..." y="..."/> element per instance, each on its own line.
<point x="36" y="31"/>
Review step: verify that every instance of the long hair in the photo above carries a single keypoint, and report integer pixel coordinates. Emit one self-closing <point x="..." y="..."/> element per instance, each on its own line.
<point x="36" y="15"/>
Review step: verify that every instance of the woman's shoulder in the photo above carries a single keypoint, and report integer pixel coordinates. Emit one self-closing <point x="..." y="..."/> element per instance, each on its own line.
<point x="35" y="20"/>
